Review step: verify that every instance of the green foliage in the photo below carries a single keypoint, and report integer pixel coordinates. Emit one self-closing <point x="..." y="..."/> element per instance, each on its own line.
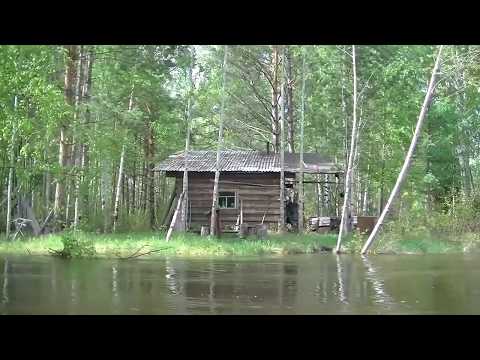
<point x="354" y="242"/>
<point x="138" y="88"/>
<point x="82" y="244"/>
<point x="75" y="248"/>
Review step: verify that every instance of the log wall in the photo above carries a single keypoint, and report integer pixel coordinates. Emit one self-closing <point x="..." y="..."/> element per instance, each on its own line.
<point x="256" y="200"/>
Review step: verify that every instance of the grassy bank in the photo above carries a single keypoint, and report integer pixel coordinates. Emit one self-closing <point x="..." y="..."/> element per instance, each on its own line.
<point x="127" y="244"/>
<point x="123" y="245"/>
<point x="427" y="243"/>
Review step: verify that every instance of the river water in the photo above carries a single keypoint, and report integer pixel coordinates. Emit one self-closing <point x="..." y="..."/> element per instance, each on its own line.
<point x="299" y="284"/>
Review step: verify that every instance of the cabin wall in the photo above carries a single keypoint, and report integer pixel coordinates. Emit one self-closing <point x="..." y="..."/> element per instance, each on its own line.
<point x="256" y="200"/>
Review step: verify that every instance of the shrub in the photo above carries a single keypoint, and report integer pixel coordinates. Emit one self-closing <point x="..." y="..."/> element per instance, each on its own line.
<point x="74" y="248"/>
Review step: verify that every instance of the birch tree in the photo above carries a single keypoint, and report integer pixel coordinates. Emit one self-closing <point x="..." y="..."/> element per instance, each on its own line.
<point x="275" y="103"/>
<point x="302" y="121"/>
<point x="117" y="192"/>
<point x="10" y="176"/>
<point x="184" y="214"/>
<point x="283" y="94"/>
<point x="346" y="209"/>
<point x="289" y="100"/>
<point x="408" y="158"/>
<point x="213" y="219"/>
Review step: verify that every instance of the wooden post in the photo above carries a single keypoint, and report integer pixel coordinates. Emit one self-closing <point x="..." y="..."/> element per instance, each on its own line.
<point x="175" y="215"/>
<point x="204" y="231"/>
<point x="218" y="225"/>
<point x="262" y="231"/>
<point x="243" y="231"/>
<point x="241" y="212"/>
<point x="169" y="207"/>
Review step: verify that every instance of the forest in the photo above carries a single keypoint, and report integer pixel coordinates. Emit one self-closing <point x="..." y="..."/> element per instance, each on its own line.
<point x="83" y="126"/>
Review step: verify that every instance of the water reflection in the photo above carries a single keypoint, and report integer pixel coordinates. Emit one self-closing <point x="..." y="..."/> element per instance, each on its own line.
<point x="217" y="285"/>
<point x="313" y="284"/>
<point x="115" y="293"/>
<point x="341" y="291"/>
<point x="171" y="274"/>
<point x="5" y="284"/>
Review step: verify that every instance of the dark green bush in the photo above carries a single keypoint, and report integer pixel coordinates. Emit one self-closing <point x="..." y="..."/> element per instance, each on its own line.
<point x="75" y="248"/>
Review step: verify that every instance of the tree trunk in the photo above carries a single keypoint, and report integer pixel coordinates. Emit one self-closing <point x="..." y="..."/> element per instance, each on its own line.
<point x="213" y="219"/>
<point x="463" y="148"/>
<point x="78" y="151"/>
<point x="365" y="193"/>
<point x="289" y="102"/>
<point x="64" y="144"/>
<point x="105" y="184"/>
<point x="408" y="159"/>
<point x="184" y="215"/>
<point x="47" y="181"/>
<point x="144" y="186"/>
<point x="346" y="216"/>
<point x="345" y="116"/>
<point x="86" y="97"/>
<point x="134" y="184"/>
<point x="150" y="186"/>
<point x="175" y="216"/>
<point x="381" y="197"/>
<point x="10" y="174"/>
<point x="126" y="186"/>
<point x="281" y="225"/>
<point x="117" y="192"/>
<point x="9" y="201"/>
<point x="275" y="112"/>
<point x="316" y="190"/>
<point x="354" y="205"/>
<point x="302" y="121"/>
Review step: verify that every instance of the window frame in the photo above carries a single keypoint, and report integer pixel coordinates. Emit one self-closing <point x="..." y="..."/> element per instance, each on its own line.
<point x="228" y="196"/>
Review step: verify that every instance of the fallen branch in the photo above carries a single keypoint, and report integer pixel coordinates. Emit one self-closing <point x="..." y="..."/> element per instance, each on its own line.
<point x="60" y="253"/>
<point x="138" y="254"/>
<point x="132" y="255"/>
<point x="45" y="222"/>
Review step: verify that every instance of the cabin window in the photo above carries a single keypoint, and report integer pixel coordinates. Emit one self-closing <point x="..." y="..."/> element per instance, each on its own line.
<point x="227" y="200"/>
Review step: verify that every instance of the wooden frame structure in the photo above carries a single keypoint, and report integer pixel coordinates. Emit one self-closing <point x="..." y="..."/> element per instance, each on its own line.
<point x="253" y="176"/>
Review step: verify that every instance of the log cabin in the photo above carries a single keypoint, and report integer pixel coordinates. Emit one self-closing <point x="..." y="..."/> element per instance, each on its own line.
<point x="249" y="186"/>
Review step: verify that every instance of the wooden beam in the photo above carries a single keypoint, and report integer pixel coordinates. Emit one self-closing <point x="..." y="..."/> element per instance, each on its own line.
<point x="175" y="215"/>
<point x="243" y="183"/>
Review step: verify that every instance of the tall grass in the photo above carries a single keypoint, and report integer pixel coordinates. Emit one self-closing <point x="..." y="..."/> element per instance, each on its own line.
<point x="453" y="228"/>
<point x="124" y="244"/>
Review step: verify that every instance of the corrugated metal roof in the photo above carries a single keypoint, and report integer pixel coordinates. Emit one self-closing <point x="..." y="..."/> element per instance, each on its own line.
<point x="246" y="161"/>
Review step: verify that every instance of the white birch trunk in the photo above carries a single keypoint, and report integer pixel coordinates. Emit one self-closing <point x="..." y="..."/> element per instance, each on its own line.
<point x="105" y="192"/>
<point x="184" y="225"/>
<point x="175" y="216"/>
<point x="408" y="159"/>
<point x="302" y="121"/>
<point x="9" y="202"/>
<point x="348" y="178"/>
<point x="213" y="218"/>
<point x="10" y="177"/>
<point x="117" y="192"/>
<point x="281" y="227"/>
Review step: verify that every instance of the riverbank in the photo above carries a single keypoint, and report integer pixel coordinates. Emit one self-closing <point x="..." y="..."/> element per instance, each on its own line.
<point x="153" y="244"/>
<point x="127" y="244"/>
